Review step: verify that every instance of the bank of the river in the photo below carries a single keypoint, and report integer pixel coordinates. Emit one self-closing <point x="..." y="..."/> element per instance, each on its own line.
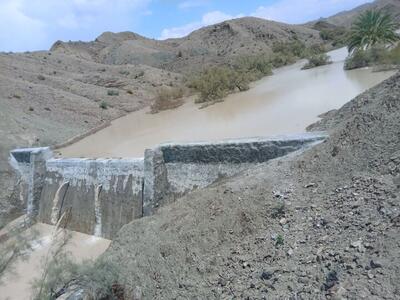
<point x="286" y="102"/>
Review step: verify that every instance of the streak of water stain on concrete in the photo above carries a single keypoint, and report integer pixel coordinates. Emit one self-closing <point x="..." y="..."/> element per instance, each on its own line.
<point x="286" y="102"/>
<point x="17" y="284"/>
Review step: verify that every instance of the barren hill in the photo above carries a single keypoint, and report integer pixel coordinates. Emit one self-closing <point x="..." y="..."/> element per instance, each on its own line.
<point x="346" y="18"/>
<point x="215" y="43"/>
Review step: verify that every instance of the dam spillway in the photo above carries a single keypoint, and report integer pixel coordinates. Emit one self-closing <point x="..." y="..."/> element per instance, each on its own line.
<point x="102" y="195"/>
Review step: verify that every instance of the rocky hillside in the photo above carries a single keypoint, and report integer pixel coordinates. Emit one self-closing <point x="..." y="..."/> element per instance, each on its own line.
<point x="212" y="44"/>
<point x="346" y="18"/>
<point x="320" y="225"/>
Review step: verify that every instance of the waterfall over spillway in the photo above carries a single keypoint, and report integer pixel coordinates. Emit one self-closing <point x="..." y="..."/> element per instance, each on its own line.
<point x="97" y="211"/>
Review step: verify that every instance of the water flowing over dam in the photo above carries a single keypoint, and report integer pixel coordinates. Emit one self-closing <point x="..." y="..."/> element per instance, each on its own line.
<point x="102" y="195"/>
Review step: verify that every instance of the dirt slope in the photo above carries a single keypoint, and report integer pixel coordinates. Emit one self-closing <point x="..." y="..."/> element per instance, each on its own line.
<point x="47" y="98"/>
<point x="346" y="18"/>
<point x="337" y="235"/>
<point x="211" y="44"/>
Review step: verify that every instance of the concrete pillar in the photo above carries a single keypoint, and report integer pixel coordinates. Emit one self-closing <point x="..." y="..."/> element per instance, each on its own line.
<point x="30" y="165"/>
<point x="155" y="181"/>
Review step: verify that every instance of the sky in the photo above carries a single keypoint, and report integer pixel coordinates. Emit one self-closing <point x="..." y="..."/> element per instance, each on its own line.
<point x="28" y="25"/>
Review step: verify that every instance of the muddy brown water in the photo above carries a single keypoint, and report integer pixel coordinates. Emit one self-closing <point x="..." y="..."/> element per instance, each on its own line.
<point x="286" y="102"/>
<point x="16" y="283"/>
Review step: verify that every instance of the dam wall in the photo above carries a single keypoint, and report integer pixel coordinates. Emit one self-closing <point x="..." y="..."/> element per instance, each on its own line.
<point x="102" y="194"/>
<point x="172" y="170"/>
<point x="99" y="196"/>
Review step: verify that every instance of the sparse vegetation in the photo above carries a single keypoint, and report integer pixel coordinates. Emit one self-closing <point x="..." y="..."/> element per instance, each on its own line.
<point x="279" y="240"/>
<point x="168" y="98"/>
<point x="337" y="36"/>
<point x="96" y="279"/>
<point x="317" y="60"/>
<point x="255" y="67"/>
<point x="103" y="105"/>
<point x="373" y="57"/>
<point x="215" y="83"/>
<point x="294" y="48"/>
<point x="279" y="210"/>
<point x="16" y="244"/>
<point x="112" y="93"/>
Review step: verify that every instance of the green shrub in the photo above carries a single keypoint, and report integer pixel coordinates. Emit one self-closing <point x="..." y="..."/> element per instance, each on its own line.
<point x="373" y="56"/>
<point x="279" y="240"/>
<point x="317" y="60"/>
<point x="112" y="93"/>
<point x="358" y="59"/>
<point x="294" y="48"/>
<point x="252" y="67"/>
<point x="392" y="57"/>
<point x="217" y="82"/>
<point x="279" y="60"/>
<point x="103" y="105"/>
<point x="337" y="36"/>
<point x="96" y="279"/>
<point x="16" y="243"/>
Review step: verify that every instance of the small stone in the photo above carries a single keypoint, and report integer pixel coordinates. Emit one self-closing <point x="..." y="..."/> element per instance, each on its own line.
<point x="375" y="264"/>
<point x="358" y="245"/>
<point x="370" y="275"/>
<point x="311" y="184"/>
<point x="290" y="252"/>
<point x="265" y="275"/>
<point x="283" y="221"/>
<point x="303" y="280"/>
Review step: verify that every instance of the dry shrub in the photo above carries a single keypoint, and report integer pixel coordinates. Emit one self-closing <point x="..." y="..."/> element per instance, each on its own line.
<point x="168" y="98"/>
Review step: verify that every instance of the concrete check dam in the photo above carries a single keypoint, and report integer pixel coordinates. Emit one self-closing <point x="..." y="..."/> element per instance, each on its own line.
<point x="102" y="195"/>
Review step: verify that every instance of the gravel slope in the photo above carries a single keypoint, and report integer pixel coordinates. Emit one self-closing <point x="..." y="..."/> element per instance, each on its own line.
<point x="321" y="225"/>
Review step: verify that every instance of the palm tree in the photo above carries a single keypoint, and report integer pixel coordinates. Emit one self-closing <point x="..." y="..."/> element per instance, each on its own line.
<point x="373" y="27"/>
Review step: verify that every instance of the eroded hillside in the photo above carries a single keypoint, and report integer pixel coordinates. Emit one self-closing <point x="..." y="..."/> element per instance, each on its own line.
<point x="321" y="225"/>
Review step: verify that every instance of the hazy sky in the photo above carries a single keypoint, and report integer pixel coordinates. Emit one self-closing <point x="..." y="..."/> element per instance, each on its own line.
<point x="37" y="24"/>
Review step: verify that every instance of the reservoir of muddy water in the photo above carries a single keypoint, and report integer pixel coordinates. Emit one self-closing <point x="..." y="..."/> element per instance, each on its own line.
<point x="286" y="102"/>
